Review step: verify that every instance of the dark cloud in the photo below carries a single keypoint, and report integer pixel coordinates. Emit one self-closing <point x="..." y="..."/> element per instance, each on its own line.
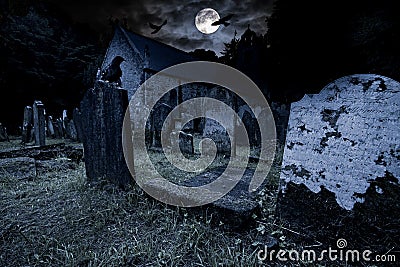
<point x="180" y="30"/>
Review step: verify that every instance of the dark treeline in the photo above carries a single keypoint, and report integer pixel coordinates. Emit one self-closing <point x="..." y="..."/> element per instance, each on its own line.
<point x="311" y="43"/>
<point x="44" y="56"/>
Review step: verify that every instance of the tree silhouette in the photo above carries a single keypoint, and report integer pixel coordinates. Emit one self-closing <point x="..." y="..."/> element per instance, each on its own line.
<point x="314" y="42"/>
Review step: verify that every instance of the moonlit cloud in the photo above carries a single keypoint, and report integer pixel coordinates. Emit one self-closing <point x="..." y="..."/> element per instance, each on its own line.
<point x="180" y="30"/>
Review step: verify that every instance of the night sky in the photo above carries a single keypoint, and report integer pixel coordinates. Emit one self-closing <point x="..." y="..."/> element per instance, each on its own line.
<point x="180" y="30"/>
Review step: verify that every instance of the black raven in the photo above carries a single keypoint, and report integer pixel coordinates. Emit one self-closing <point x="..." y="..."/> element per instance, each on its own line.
<point x="223" y="20"/>
<point x="113" y="72"/>
<point x="156" y="28"/>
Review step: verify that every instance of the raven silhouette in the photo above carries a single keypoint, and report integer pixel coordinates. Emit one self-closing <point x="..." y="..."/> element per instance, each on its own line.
<point x="112" y="73"/>
<point x="157" y="28"/>
<point x="223" y="21"/>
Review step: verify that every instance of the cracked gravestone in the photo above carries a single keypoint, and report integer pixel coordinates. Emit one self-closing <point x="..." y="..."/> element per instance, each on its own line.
<point x="342" y="153"/>
<point x="39" y="123"/>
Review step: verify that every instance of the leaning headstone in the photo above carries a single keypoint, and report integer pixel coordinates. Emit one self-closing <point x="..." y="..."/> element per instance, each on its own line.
<point x="27" y="125"/>
<point x="102" y="112"/>
<point x="342" y="154"/>
<point x="39" y="123"/>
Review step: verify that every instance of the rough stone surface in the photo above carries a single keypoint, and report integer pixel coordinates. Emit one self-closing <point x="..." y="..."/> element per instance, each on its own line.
<point x="39" y="123"/>
<point x="58" y="128"/>
<point x="344" y="138"/>
<point x="102" y="112"/>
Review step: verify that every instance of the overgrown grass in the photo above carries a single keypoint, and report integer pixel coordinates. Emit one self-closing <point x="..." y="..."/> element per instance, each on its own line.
<point x="57" y="219"/>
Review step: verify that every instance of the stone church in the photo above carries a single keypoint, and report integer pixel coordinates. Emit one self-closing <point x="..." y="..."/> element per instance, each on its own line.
<point x="143" y="58"/>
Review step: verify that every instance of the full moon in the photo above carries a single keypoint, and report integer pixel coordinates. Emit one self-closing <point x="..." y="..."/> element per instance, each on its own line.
<point x="204" y="19"/>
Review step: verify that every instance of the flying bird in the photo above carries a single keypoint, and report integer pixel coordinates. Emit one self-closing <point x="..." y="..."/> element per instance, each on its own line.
<point x="223" y="21"/>
<point x="157" y="28"/>
<point x="113" y="73"/>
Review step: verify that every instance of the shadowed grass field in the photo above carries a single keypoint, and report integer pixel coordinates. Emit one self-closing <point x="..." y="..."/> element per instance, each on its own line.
<point x="58" y="219"/>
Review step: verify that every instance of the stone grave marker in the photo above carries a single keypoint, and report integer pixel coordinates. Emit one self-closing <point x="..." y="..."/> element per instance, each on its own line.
<point x="185" y="142"/>
<point x="345" y="137"/>
<point x="159" y="115"/>
<point x="341" y="164"/>
<point x="39" y="123"/>
<point x="50" y="127"/>
<point x="27" y="125"/>
<point x="213" y="129"/>
<point x="102" y="112"/>
<point x="3" y="133"/>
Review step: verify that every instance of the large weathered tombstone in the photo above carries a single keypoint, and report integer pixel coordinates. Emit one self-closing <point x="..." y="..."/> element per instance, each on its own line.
<point x="3" y="133"/>
<point x="27" y="125"/>
<point x="212" y="128"/>
<point x="102" y="112"/>
<point x="39" y="123"/>
<point x="342" y="154"/>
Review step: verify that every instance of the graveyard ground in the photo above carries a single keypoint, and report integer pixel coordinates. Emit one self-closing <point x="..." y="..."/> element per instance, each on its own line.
<point x="57" y="219"/>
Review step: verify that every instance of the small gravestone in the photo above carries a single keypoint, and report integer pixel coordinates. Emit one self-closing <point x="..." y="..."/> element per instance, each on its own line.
<point x="250" y="123"/>
<point x="58" y="129"/>
<point x="102" y="112"/>
<point x="39" y="123"/>
<point x="27" y="125"/>
<point x="341" y="161"/>
<point x="185" y="142"/>
<point x="78" y="124"/>
<point x="212" y="128"/>
<point x="159" y="115"/>
<point x="70" y="130"/>
<point x="3" y="133"/>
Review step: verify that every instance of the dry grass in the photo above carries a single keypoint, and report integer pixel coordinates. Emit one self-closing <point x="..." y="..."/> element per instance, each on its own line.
<point x="58" y="219"/>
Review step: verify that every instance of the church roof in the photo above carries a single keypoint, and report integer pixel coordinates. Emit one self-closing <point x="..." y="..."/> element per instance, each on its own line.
<point x="160" y="55"/>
